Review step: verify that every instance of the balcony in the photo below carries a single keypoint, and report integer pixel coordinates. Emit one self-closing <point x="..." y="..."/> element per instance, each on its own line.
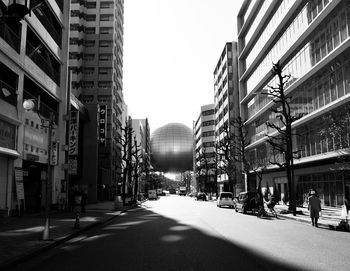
<point x="43" y="59"/>
<point x="49" y="22"/>
<point x="8" y="93"/>
<point x="10" y="36"/>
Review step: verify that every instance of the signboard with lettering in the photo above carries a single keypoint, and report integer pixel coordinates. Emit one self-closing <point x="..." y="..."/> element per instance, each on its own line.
<point x="19" y="183"/>
<point x="54" y="153"/>
<point x="7" y="135"/>
<point x="73" y="166"/>
<point x="74" y="133"/>
<point x="102" y="113"/>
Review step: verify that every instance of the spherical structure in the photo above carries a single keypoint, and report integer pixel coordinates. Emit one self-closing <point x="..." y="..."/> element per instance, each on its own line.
<point x="172" y="146"/>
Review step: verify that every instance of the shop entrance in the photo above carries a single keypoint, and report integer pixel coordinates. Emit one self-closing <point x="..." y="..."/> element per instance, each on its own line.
<point x="34" y="175"/>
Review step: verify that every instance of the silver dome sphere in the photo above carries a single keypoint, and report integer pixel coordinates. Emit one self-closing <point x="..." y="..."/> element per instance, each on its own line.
<point x="172" y="147"/>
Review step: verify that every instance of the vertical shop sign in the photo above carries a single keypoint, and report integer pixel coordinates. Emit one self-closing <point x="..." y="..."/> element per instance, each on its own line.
<point x="102" y="124"/>
<point x="73" y="165"/>
<point x="54" y="153"/>
<point x="19" y="188"/>
<point x="74" y="133"/>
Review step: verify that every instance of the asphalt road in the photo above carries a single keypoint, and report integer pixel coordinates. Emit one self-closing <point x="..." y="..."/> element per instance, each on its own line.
<point x="179" y="233"/>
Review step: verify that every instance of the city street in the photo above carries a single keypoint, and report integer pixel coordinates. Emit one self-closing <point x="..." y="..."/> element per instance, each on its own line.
<point x="179" y="233"/>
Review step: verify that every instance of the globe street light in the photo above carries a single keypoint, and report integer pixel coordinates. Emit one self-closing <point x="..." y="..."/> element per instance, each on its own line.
<point x="29" y="105"/>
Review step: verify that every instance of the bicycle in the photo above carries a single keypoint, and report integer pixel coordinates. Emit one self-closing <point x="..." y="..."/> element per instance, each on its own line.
<point x="270" y="205"/>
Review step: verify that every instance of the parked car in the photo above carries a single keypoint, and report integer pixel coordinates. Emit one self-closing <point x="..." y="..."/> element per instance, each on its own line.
<point x="152" y="194"/>
<point x="225" y="199"/>
<point x="201" y="196"/>
<point x="246" y="201"/>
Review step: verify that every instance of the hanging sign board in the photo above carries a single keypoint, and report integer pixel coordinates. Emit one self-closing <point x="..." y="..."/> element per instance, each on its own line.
<point x="102" y="124"/>
<point x="19" y="183"/>
<point x="54" y="153"/>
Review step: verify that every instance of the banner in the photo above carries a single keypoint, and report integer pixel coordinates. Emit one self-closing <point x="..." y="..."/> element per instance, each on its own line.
<point x="102" y="119"/>
<point x="74" y="133"/>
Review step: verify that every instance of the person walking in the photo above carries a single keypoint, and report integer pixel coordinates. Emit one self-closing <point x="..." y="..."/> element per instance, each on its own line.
<point x="314" y="207"/>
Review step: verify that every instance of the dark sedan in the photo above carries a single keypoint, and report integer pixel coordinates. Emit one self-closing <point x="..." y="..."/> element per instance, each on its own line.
<point x="201" y="196"/>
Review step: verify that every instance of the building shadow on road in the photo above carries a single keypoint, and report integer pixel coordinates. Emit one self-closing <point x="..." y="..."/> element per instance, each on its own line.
<point x="144" y="240"/>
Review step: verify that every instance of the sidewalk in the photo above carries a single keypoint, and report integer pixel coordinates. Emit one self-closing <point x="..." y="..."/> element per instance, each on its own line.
<point x="330" y="215"/>
<point x="20" y="236"/>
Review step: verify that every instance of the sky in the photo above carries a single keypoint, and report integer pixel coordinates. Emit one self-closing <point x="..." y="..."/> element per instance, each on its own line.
<point x="171" y="48"/>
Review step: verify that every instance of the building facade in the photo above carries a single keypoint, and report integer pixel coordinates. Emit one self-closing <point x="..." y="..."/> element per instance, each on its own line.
<point x="310" y="39"/>
<point x="33" y="64"/>
<point x="205" y="155"/>
<point x="226" y="103"/>
<point x="96" y="61"/>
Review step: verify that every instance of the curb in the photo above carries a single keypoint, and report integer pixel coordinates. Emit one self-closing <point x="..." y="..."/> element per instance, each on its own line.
<point x="323" y="224"/>
<point x="26" y="256"/>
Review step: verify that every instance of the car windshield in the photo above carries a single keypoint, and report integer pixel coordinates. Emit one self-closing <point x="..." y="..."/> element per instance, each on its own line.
<point x="226" y="195"/>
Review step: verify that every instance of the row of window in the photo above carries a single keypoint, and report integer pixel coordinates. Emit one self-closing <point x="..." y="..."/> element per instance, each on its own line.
<point x="328" y="85"/>
<point x="290" y="36"/>
<point x="309" y="55"/>
<point x="90" y="57"/>
<point x="33" y="149"/>
<point x="279" y="14"/>
<point x="257" y="19"/>
<point x="329" y="132"/>
<point x="208" y="112"/>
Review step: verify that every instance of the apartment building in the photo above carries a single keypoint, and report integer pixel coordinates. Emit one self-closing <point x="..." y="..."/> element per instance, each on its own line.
<point x="204" y="150"/>
<point x="311" y="41"/>
<point x="226" y="103"/>
<point x="33" y="64"/>
<point x="96" y="61"/>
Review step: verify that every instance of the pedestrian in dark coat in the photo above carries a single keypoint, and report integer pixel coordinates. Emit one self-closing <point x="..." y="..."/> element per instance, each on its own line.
<point x="314" y="207"/>
<point x="83" y="201"/>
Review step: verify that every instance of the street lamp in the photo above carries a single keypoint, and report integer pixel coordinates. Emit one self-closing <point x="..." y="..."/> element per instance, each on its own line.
<point x="29" y="105"/>
<point x="15" y="10"/>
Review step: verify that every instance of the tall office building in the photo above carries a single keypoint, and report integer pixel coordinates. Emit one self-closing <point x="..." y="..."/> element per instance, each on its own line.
<point x="204" y="151"/>
<point x="33" y="65"/>
<point x="96" y="60"/>
<point x="311" y="41"/>
<point x="226" y="102"/>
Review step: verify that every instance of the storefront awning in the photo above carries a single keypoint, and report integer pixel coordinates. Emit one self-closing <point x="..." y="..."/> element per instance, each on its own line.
<point x="8" y="152"/>
<point x="79" y="106"/>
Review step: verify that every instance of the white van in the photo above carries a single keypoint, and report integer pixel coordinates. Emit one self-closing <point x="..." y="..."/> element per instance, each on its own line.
<point x="225" y="199"/>
<point x="152" y="194"/>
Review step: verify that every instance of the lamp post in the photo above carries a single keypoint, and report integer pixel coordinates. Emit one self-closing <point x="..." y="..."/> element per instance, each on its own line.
<point x="15" y="10"/>
<point x="29" y="105"/>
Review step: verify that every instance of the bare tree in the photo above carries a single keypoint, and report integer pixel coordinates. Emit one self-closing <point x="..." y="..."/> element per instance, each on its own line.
<point x="137" y="167"/>
<point x="126" y="144"/>
<point x="205" y="167"/>
<point x="282" y="143"/>
<point x="255" y="164"/>
<point x="226" y="161"/>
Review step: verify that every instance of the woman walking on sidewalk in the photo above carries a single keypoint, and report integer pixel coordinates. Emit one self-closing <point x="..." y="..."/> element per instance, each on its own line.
<point x="314" y="207"/>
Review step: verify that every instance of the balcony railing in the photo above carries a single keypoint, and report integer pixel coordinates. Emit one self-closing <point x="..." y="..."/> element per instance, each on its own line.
<point x="50" y="29"/>
<point x="7" y="34"/>
<point x="42" y="63"/>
